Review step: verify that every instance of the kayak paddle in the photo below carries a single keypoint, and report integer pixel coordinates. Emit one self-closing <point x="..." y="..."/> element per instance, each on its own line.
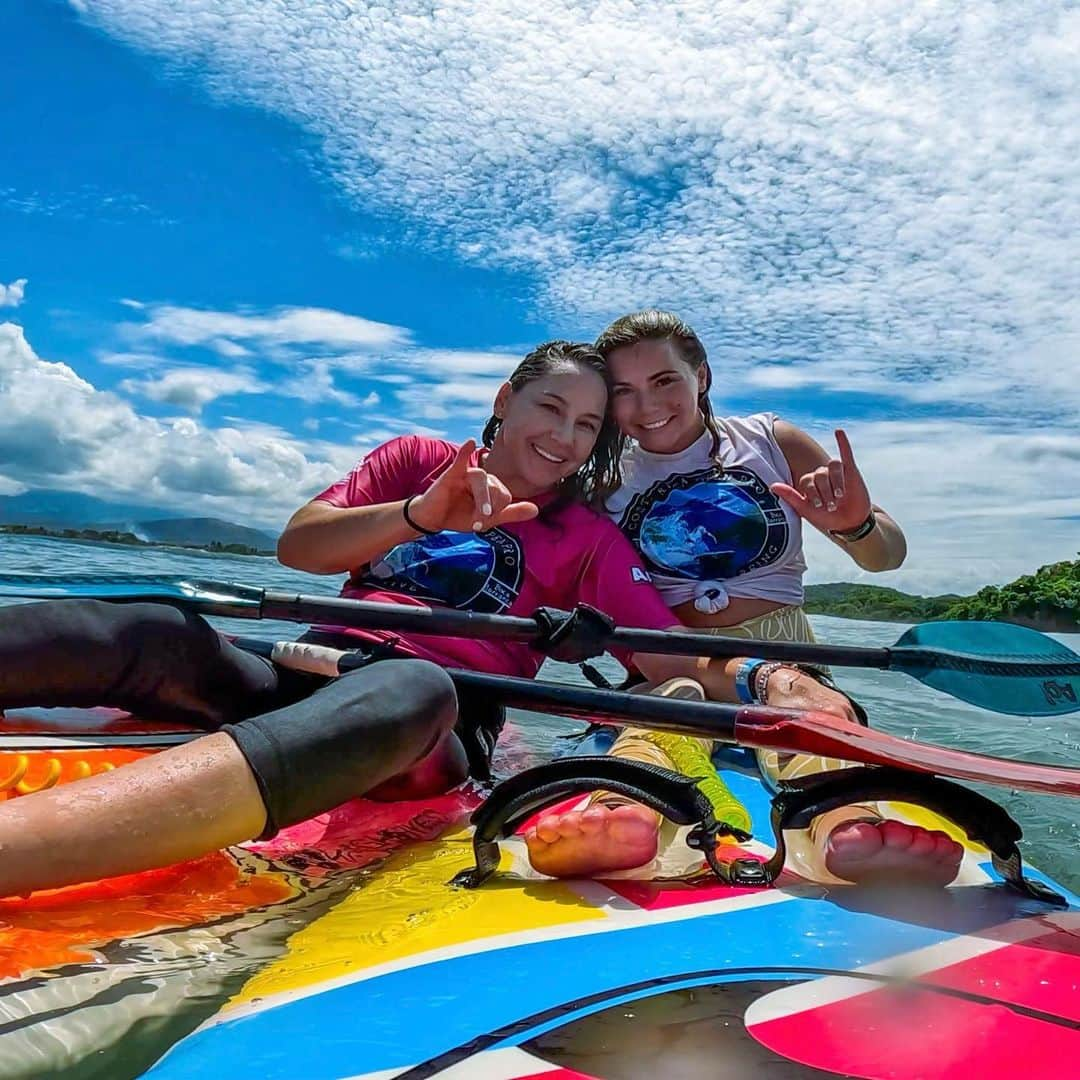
<point x="756" y="726"/>
<point x="997" y="666"/>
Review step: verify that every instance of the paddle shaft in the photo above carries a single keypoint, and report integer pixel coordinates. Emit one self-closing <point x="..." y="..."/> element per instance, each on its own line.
<point x="446" y="622"/>
<point x="755" y="726"/>
<point x="1010" y="676"/>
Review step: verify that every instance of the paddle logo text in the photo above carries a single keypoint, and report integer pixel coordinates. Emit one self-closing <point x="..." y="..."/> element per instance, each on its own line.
<point x="1057" y="692"/>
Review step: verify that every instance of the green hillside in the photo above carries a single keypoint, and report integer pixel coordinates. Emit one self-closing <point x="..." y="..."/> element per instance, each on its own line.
<point x="1049" y="599"/>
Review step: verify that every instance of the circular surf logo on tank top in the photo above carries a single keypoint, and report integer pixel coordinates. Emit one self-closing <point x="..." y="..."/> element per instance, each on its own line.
<point x="466" y="570"/>
<point x="708" y="525"/>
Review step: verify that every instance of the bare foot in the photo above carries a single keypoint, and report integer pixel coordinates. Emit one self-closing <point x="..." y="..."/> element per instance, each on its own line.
<point x="893" y="853"/>
<point x="585" y="843"/>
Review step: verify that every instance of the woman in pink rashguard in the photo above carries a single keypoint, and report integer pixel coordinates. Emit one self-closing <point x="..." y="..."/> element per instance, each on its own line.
<point x="502" y="528"/>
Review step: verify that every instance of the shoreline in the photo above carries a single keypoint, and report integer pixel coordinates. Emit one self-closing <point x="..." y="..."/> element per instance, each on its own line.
<point x="1044" y="626"/>
<point x="130" y="540"/>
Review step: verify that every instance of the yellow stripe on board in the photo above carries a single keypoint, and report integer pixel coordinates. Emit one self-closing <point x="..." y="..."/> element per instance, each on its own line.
<point x="407" y="908"/>
<point x="919" y="815"/>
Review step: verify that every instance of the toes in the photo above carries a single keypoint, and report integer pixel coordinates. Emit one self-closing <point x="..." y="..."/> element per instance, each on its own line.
<point x="923" y="845"/>
<point x="569" y="826"/>
<point x="593" y="820"/>
<point x="547" y="828"/>
<point x="858" y="838"/>
<point x="896" y="835"/>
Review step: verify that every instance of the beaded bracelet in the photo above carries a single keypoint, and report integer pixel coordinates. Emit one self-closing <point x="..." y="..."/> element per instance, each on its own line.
<point x="760" y="683"/>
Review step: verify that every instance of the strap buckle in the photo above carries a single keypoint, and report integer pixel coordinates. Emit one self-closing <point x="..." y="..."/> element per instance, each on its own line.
<point x="572" y="636"/>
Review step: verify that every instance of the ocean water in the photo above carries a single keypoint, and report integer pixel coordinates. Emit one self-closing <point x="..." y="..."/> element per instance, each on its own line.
<point x="895" y="703"/>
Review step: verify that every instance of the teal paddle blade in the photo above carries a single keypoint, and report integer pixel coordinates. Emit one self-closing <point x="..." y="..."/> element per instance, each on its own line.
<point x="998" y="666"/>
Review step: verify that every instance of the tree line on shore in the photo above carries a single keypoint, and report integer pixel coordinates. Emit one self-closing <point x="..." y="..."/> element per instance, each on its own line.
<point x="1048" y="599"/>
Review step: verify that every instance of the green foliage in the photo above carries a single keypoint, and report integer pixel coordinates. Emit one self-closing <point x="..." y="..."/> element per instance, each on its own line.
<point x="1051" y="593"/>
<point x="1048" y="599"/>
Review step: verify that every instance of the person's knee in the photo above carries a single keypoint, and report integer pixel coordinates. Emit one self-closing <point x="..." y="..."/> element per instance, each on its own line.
<point x="429" y="691"/>
<point x="161" y="626"/>
<point x="439" y="771"/>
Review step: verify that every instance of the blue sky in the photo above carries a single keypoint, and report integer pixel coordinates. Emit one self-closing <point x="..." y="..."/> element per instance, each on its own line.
<point x="242" y="241"/>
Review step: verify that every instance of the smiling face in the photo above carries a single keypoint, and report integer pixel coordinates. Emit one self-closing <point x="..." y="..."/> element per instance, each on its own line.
<point x="655" y="395"/>
<point x="549" y="428"/>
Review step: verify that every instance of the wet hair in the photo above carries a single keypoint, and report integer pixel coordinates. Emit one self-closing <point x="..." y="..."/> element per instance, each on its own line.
<point x="599" y="476"/>
<point x="655" y="325"/>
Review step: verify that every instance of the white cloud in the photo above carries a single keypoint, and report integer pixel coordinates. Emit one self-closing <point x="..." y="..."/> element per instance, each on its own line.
<point x="285" y="326"/>
<point x="12" y="295"/>
<point x="978" y="502"/>
<point x="891" y="184"/>
<point x="192" y="388"/>
<point x="314" y="382"/>
<point x="468" y="399"/>
<point x="141" y="361"/>
<point x="57" y="430"/>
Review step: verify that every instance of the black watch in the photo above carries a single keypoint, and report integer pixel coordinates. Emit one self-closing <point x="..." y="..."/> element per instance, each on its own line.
<point x="849" y="536"/>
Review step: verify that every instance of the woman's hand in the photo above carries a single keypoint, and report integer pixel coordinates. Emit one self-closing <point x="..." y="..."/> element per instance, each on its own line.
<point x="833" y="497"/>
<point x="790" y="688"/>
<point x="466" y="497"/>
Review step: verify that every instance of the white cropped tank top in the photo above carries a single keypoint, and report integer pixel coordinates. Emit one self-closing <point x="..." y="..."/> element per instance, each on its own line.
<point x="708" y="530"/>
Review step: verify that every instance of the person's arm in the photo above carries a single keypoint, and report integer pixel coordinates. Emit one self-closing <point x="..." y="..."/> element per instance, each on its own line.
<point x="787" y="688"/>
<point x="831" y="495"/>
<point x="614" y="580"/>
<point x="324" y="538"/>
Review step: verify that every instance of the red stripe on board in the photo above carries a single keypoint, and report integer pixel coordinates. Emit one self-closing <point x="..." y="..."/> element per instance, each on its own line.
<point x="654" y="896"/>
<point x="911" y="1034"/>
<point x="1042" y="973"/>
<point x="558" y="1074"/>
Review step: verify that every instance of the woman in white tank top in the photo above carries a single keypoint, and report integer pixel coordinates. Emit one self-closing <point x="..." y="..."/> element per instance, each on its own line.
<point x="715" y="507"/>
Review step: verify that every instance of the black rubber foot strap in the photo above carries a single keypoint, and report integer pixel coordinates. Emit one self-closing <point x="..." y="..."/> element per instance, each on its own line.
<point x="675" y="796"/>
<point x="797" y="803"/>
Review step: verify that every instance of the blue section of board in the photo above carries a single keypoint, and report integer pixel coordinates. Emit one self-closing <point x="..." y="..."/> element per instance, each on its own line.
<point x="410" y="1016"/>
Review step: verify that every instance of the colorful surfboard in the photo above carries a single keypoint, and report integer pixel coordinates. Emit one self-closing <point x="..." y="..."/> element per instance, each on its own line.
<point x="340" y="950"/>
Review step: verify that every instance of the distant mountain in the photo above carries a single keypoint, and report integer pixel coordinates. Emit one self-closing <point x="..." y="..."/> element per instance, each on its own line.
<point x="59" y="510"/>
<point x="203" y="531"/>
<point x="72" y="509"/>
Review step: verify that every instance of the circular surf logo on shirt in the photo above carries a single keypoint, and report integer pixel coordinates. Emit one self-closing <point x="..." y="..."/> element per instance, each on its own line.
<point x="708" y="525"/>
<point x="466" y="570"/>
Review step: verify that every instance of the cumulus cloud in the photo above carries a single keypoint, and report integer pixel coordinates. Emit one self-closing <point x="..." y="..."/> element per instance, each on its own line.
<point x="58" y="430"/>
<point x="979" y="502"/>
<point x="192" y="388"/>
<point x="314" y="382"/>
<point x="890" y="185"/>
<point x="223" y="330"/>
<point x="12" y="295"/>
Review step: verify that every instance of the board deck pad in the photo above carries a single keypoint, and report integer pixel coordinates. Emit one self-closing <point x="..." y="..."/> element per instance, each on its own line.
<point x="339" y="950"/>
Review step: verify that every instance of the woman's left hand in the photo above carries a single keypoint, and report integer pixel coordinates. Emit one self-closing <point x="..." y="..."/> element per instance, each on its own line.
<point x="833" y="497"/>
<point x="790" y="688"/>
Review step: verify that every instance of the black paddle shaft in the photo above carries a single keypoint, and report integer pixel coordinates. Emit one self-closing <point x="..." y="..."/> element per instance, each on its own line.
<point x="446" y="622"/>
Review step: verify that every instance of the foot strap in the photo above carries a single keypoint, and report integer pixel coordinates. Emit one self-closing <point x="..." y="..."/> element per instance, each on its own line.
<point x="799" y="801"/>
<point x="675" y="796"/>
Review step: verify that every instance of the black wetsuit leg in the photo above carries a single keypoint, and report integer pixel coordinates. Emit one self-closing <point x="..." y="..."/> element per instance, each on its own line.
<point x="312" y="743"/>
<point x="149" y="658"/>
<point x="347" y="737"/>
